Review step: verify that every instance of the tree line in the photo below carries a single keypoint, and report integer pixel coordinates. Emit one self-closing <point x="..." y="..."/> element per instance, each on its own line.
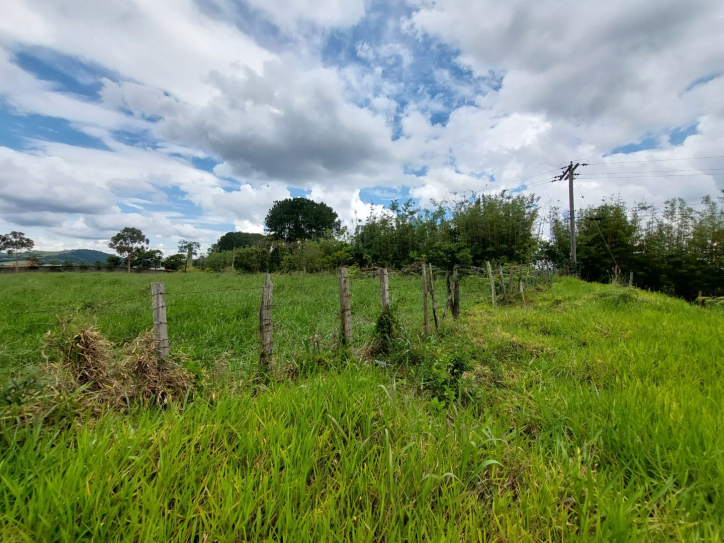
<point x="462" y="232"/>
<point x="678" y="249"/>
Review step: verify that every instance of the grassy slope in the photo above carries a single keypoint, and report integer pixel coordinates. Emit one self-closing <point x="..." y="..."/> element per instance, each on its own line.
<point x="602" y="405"/>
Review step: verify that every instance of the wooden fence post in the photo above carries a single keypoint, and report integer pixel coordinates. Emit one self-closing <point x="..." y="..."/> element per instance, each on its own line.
<point x="160" y="325"/>
<point x="385" y="289"/>
<point x="265" y="324"/>
<point x="456" y="295"/>
<point x="700" y="301"/>
<point x="630" y="279"/>
<point x="520" y="280"/>
<point x="502" y="282"/>
<point x="492" y="283"/>
<point x="448" y="302"/>
<point x="345" y="306"/>
<point x="425" y="310"/>
<point x="432" y="295"/>
<point x="511" y="284"/>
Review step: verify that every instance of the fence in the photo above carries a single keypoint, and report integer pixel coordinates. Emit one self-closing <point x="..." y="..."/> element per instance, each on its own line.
<point x="282" y="316"/>
<point x="8" y="269"/>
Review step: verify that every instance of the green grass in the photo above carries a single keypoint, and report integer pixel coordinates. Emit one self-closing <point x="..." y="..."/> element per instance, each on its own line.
<point x="209" y="315"/>
<point x="596" y="413"/>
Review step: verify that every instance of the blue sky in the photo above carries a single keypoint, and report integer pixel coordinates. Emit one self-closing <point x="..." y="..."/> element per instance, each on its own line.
<point x="190" y="118"/>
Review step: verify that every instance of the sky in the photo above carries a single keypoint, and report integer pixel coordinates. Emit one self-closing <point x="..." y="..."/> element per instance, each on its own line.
<point x="189" y="118"/>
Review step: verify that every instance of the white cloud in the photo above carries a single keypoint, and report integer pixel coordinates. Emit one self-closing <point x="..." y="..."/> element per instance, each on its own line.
<point x="325" y="13"/>
<point x="167" y="44"/>
<point x="75" y="191"/>
<point x="285" y="124"/>
<point x="576" y="80"/>
<point x="617" y="69"/>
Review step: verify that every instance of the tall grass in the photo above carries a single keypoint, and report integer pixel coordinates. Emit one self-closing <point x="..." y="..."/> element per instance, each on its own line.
<point x="209" y="315"/>
<point x="596" y="412"/>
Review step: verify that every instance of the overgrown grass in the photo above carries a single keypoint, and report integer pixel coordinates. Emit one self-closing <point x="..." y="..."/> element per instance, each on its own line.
<point x="591" y="412"/>
<point x="210" y="316"/>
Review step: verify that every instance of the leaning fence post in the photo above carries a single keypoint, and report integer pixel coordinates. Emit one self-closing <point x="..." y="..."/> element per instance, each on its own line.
<point x="492" y="283"/>
<point x="432" y="295"/>
<point x="385" y="289"/>
<point x="426" y="311"/>
<point x="160" y="325"/>
<point x="456" y="295"/>
<point x="345" y="306"/>
<point x="265" y="324"/>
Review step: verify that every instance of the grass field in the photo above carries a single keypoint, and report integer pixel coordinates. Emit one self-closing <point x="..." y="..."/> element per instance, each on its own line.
<point x="592" y="412"/>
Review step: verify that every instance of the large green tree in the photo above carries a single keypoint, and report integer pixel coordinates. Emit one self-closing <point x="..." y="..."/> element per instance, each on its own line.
<point x="295" y="219"/>
<point x="15" y="243"/>
<point x="149" y="259"/>
<point x="236" y="240"/>
<point x="129" y="243"/>
<point x="175" y="262"/>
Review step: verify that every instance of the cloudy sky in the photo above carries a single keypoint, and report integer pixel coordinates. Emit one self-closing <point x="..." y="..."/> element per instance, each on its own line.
<point x="188" y="118"/>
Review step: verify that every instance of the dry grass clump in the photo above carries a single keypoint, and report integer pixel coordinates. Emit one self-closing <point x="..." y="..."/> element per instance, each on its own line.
<point x="84" y="362"/>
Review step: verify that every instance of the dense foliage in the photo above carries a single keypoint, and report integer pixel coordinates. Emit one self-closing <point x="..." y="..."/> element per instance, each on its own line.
<point x="296" y="219"/>
<point x="497" y="227"/>
<point x="236" y="240"/>
<point x="679" y="250"/>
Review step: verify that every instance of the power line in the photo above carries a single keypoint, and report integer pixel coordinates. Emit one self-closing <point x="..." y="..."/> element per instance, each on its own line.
<point x="661" y="171"/>
<point x="515" y="182"/>
<point x="651" y="176"/>
<point x="654" y="160"/>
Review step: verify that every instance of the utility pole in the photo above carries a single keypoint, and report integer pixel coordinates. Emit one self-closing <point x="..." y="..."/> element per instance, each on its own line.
<point x="571" y="208"/>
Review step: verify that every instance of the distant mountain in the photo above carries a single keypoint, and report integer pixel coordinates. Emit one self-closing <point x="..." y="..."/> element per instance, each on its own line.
<point x="76" y="256"/>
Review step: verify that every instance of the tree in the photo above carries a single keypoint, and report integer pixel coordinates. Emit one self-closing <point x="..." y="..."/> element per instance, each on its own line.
<point x="15" y="243"/>
<point x="296" y="219"/>
<point x="449" y="255"/>
<point x="190" y="248"/>
<point x="236" y="240"/>
<point x="174" y="262"/>
<point x="149" y="259"/>
<point x="129" y="243"/>
<point x="113" y="261"/>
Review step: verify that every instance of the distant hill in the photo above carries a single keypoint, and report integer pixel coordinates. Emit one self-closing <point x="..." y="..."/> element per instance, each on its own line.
<point x="76" y="256"/>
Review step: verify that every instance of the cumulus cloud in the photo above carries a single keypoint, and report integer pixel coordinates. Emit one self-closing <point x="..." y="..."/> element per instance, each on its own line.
<point x="76" y="192"/>
<point x="283" y="124"/>
<point x="345" y="96"/>
<point x="167" y="44"/>
<point x="620" y="66"/>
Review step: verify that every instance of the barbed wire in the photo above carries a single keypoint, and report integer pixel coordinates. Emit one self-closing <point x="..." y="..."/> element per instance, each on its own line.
<point x="189" y="292"/>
